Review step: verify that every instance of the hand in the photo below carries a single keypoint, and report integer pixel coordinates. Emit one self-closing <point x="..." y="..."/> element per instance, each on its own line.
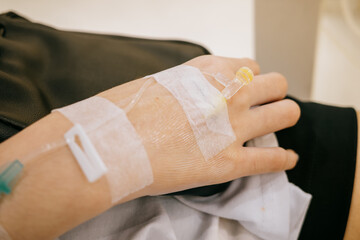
<point x="54" y="181"/>
<point x="176" y="160"/>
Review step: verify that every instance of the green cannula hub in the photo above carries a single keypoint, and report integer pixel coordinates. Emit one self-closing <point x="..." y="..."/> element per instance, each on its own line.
<point x="9" y="173"/>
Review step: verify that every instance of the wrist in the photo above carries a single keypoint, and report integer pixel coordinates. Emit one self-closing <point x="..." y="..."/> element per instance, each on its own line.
<point x="52" y="194"/>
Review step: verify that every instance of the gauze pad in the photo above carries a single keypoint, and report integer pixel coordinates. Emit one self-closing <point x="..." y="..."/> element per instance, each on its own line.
<point x="205" y="107"/>
<point x="116" y="142"/>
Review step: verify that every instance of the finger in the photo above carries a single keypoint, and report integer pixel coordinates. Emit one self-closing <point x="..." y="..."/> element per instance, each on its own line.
<point x="265" y="88"/>
<point x="236" y="63"/>
<point x="223" y="65"/>
<point x="263" y="160"/>
<point x="268" y="118"/>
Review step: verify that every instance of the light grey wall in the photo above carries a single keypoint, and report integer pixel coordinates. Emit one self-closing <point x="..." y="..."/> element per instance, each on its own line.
<point x="285" y="40"/>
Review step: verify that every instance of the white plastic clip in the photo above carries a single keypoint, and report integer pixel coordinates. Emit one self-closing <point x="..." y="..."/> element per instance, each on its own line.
<point x="87" y="156"/>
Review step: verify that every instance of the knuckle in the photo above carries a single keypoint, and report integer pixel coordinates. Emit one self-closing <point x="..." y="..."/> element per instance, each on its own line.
<point x="293" y="112"/>
<point x="282" y="161"/>
<point x="255" y="165"/>
<point x="211" y="63"/>
<point x="207" y="60"/>
<point x="253" y="65"/>
<point x="203" y="57"/>
<point x="223" y="166"/>
<point x="281" y="83"/>
<point x="249" y="60"/>
<point x="279" y="76"/>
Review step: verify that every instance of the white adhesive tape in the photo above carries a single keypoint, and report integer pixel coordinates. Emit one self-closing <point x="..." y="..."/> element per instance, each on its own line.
<point x="204" y="106"/>
<point x="3" y="234"/>
<point x="117" y="143"/>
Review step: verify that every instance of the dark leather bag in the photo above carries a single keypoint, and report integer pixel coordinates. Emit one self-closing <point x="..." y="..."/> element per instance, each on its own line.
<point x="42" y="68"/>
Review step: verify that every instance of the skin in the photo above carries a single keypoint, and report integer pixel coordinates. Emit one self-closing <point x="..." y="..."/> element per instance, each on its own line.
<point x="53" y="196"/>
<point x="353" y="226"/>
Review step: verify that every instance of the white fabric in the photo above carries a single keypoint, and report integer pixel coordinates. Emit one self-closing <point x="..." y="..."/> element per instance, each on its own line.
<point x="113" y="135"/>
<point x="257" y="207"/>
<point x="204" y="106"/>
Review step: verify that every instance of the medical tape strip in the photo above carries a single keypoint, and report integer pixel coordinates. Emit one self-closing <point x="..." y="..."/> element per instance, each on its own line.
<point x="3" y="234"/>
<point x="117" y="143"/>
<point x="204" y="106"/>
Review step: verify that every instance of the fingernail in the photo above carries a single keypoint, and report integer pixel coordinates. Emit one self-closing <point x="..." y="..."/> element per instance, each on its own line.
<point x="292" y="155"/>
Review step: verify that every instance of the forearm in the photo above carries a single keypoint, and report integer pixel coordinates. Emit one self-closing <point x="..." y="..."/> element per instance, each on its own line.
<point x="353" y="225"/>
<point x="53" y="194"/>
